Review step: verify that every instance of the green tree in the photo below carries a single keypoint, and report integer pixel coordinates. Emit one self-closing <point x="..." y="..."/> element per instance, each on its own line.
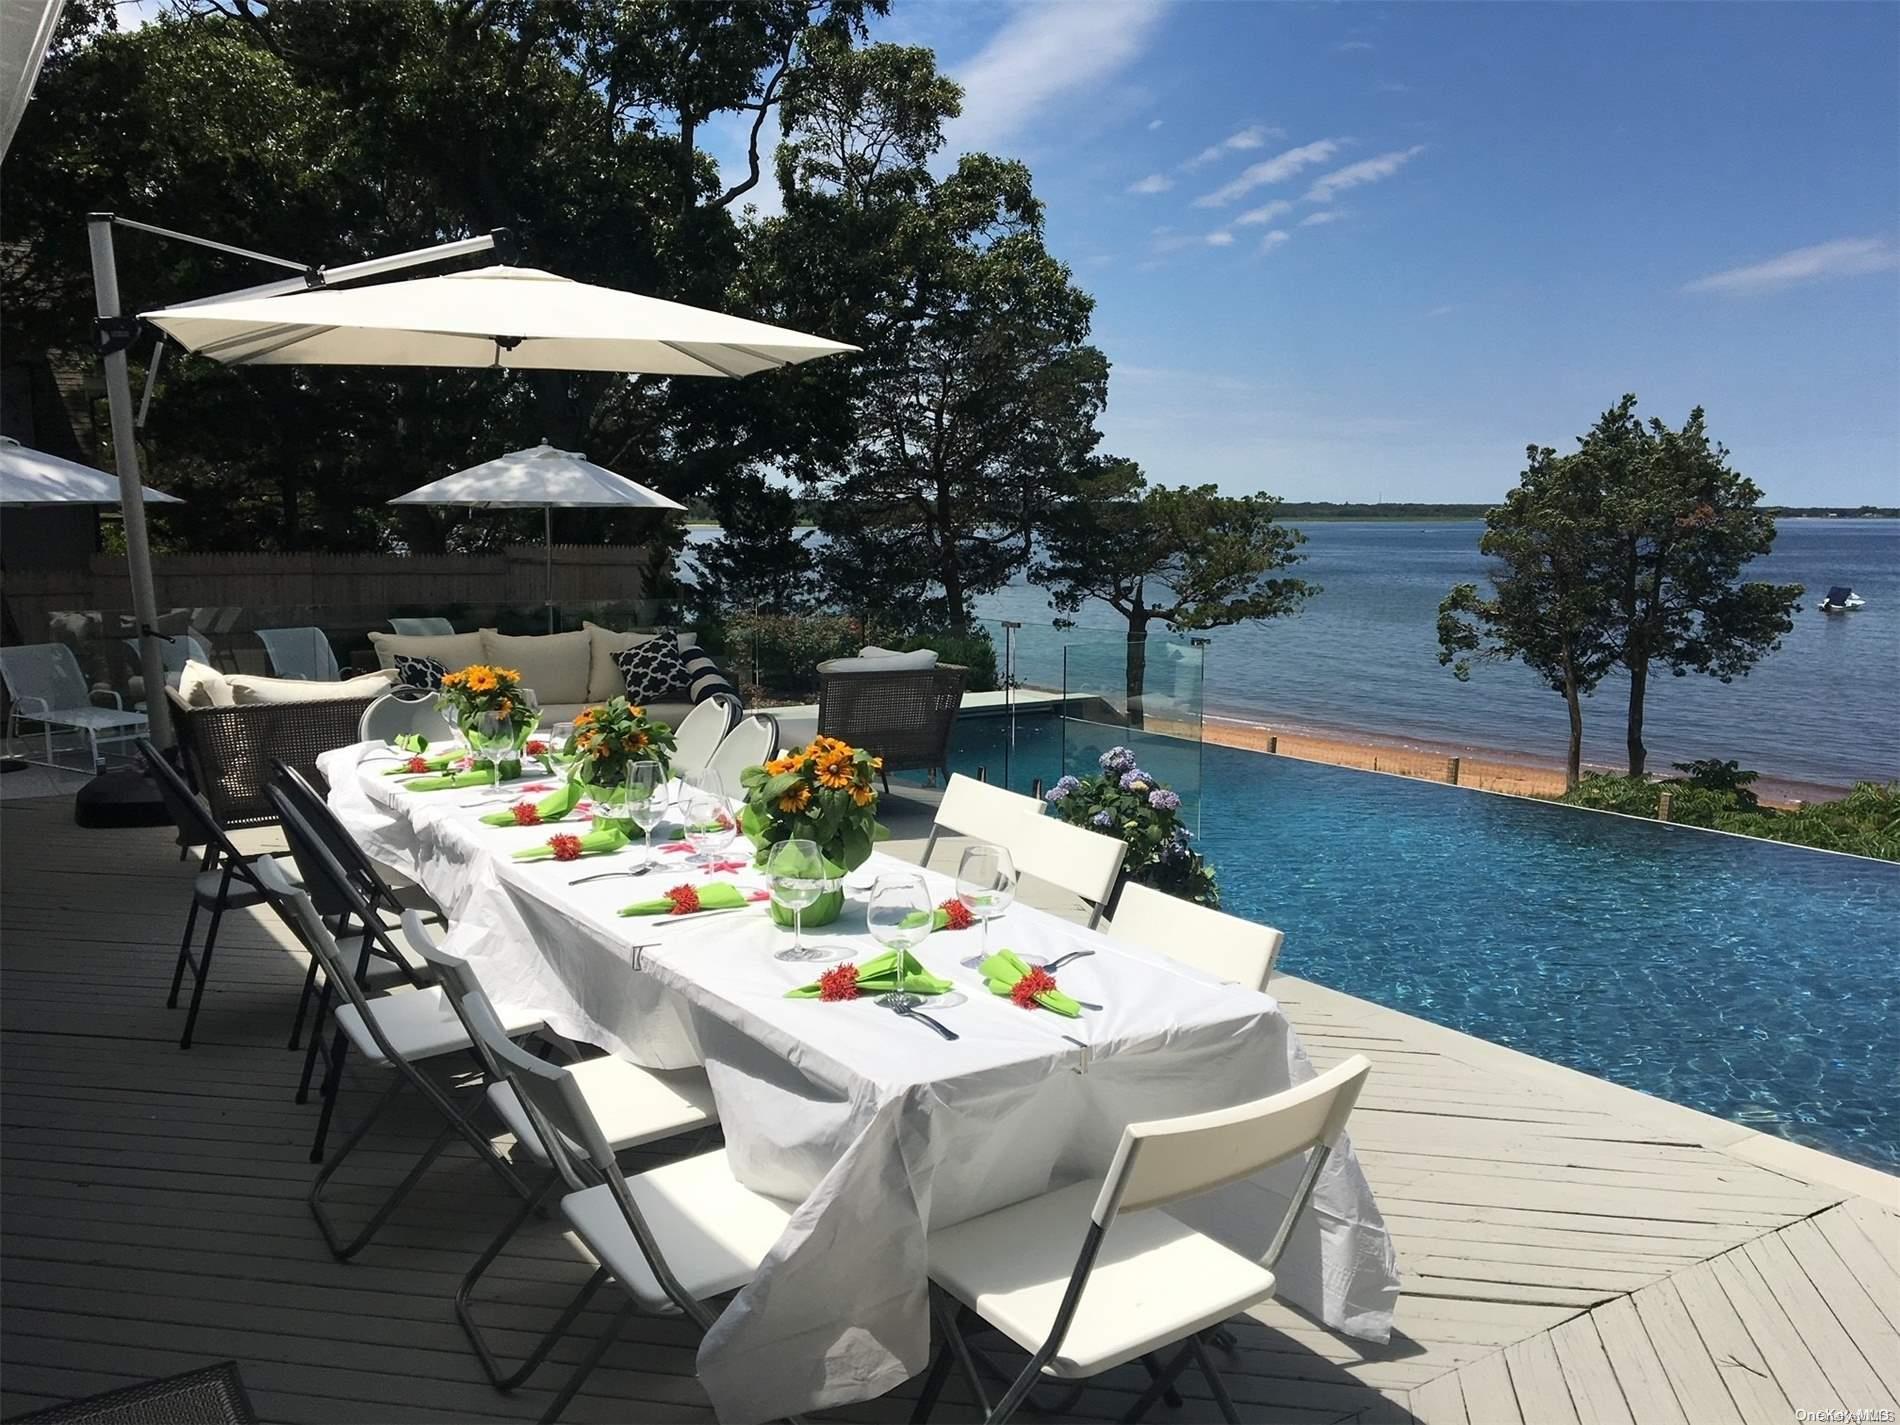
<point x="759" y="562"/>
<point x="1678" y="526"/>
<point x="1549" y="606"/>
<point x="1187" y="557"/>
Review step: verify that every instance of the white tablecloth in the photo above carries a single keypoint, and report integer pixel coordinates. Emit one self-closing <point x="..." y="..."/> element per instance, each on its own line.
<point x="874" y="1126"/>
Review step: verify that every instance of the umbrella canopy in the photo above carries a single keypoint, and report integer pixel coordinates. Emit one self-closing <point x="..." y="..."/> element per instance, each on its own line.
<point x="32" y="477"/>
<point x="492" y="316"/>
<point x="538" y="478"/>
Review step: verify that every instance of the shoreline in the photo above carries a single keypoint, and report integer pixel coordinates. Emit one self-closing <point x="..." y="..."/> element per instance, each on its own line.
<point x="1485" y="768"/>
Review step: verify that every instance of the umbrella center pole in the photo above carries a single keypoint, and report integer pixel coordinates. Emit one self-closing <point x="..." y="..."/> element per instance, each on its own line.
<point x="547" y="545"/>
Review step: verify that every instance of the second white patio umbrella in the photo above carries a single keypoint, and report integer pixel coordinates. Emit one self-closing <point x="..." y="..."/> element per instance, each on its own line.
<point x="32" y="477"/>
<point x="545" y="477"/>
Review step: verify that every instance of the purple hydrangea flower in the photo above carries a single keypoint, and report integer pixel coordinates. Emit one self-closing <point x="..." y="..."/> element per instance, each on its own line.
<point x="1136" y="780"/>
<point x="1117" y="760"/>
<point x="1061" y="790"/>
<point x="1161" y="799"/>
<point x="1102" y="818"/>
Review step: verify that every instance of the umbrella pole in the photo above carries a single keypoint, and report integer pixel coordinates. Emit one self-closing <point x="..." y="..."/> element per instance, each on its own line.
<point x="138" y="551"/>
<point x="547" y="544"/>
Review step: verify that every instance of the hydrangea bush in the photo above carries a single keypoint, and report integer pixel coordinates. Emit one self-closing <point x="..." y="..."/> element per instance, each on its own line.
<point x="1124" y="801"/>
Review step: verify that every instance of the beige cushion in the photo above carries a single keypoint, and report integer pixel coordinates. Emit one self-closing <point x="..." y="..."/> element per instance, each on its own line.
<point x="868" y="662"/>
<point x="202" y="686"/>
<point x="251" y="688"/>
<point x="555" y="665"/>
<point x="451" y="650"/>
<point x="603" y="674"/>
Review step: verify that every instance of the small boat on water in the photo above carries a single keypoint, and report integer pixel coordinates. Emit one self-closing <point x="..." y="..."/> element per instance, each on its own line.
<point x="1841" y="599"/>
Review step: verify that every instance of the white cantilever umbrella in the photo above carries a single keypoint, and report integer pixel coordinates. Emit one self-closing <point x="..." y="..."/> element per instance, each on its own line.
<point x="492" y="316"/>
<point x="32" y="477"/>
<point x="543" y="477"/>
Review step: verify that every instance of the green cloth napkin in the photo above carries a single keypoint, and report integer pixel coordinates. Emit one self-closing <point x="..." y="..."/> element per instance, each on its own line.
<point x="436" y="764"/>
<point x="593" y="843"/>
<point x="552" y="807"/>
<point x="1003" y="969"/>
<point x="939" y="919"/>
<point x="478" y="777"/>
<point x="410" y="742"/>
<point x="714" y="895"/>
<point x="882" y="974"/>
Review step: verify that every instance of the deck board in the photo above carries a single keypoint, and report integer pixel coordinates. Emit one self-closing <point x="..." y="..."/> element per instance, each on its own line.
<point x="1570" y="1251"/>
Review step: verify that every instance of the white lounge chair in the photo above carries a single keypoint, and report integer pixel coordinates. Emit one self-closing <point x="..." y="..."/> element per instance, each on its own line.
<point x="300" y="653"/>
<point x="44" y="685"/>
<point x="422" y="627"/>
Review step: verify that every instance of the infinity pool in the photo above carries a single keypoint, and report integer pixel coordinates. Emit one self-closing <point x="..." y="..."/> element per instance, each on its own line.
<point x="1751" y="980"/>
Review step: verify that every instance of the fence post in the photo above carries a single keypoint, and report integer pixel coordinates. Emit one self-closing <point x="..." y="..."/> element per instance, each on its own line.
<point x="1273" y="743"/>
<point x="1663" y="804"/>
<point x="1452" y="768"/>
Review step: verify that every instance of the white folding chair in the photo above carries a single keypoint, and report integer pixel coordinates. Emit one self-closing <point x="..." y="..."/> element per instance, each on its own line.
<point x="674" y="1237"/>
<point x="44" y="685"/>
<point x="976" y="809"/>
<point x="300" y="653"/>
<point x="1087" y="1278"/>
<point x="700" y="732"/>
<point x="753" y="741"/>
<point x="396" y="714"/>
<point x="1073" y="858"/>
<point x="632" y="1105"/>
<point x="1224" y="946"/>
<point x="422" y="627"/>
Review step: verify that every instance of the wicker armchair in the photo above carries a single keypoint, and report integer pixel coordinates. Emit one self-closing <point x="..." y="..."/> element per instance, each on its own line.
<point x="214" y="1395"/>
<point x="229" y="750"/>
<point x="905" y="716"/>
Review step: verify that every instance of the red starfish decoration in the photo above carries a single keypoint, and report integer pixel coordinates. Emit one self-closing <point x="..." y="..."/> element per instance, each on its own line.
<point x="685" y="900"/>
<point x="841" y="983"/>
<point x="566" y="848"/>
<point x="956" y="915"/>
<point x="418" y="764"/>
<point x="1037" y="981"/>
<point x="536" y="748"/>
<point x="526" y="814"/>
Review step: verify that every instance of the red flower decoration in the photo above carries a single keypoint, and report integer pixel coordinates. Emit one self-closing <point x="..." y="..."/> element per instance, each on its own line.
<point x="418" y="764"/>
<point x="566" y="848"/>
<point x="841" y="983"/>
<point x="536" y="748"/>
<point x="1037" y="981"/>
<point x="956" y="915"/>
<point x="685" y="900"/>
<point x="526" y="814"/>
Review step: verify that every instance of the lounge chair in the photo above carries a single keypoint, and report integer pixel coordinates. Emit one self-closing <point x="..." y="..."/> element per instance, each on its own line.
<point x="300" y="653"/>
<point x="422" y="627"/>
<point x="44" y="685"/>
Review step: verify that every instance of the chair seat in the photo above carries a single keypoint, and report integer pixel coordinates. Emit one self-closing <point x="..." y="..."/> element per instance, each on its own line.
<point x="713" y="1231"/>
<point x="239" y="893"/>
<point x="632" y="1105"/>
<point x="99" y="719"/>
<point x="421" y="1024"/>
<point x="1156" y="1281"/>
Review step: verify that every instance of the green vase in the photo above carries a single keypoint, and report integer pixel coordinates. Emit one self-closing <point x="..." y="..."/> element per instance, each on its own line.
<point x="822" y="911"/>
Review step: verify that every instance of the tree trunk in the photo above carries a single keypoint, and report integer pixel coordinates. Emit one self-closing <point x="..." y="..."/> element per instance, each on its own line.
<point x="1137" y="669"/>
<point x="1639" y="687"/>
<point x="1573" y="759"/>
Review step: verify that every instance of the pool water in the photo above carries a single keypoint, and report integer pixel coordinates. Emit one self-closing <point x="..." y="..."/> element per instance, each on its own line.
<point x="1751" y="980"/>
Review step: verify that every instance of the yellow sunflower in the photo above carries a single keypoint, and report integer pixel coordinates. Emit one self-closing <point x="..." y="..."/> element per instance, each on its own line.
<point x="780" y="765"/>
<point x="797" y="799"/>
<point x="836" y="771"/>
<point x="480" y="680"/>
<point x="862" y="796"/>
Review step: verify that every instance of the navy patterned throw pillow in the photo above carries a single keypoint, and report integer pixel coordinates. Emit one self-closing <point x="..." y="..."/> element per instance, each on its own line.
<point x="654" y="671"/>
<point x="415" y="671"/>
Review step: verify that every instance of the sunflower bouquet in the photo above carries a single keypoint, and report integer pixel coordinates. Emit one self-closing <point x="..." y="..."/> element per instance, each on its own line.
<point x="610" y="738"/>
<point x="470" y="692"/>
<point x="825" y="793"/>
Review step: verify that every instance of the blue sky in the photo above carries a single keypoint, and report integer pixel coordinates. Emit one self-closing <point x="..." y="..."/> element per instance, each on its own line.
<point x="1353" y="251"/>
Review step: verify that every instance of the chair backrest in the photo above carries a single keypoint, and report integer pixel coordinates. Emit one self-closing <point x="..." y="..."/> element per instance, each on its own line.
<point x="1168" y="1159"/>
<point x="700" y="732"/>
<point x="458" y="980"/>
<point x="753" y="741"/>
<point x="300" y="653"/>
<point x="174" y="650"/>
<point x="323" y="822"/>
<point x="393" y="714"/>
<point x="422" y="627"/>
<point x="907" y="717"/>
<point x="1224" y="946"/>
<point x="1078" y="860"/>
<point x="47" y="673"/>
<point x="973" y="808"/>
<point x="196" y="825"/>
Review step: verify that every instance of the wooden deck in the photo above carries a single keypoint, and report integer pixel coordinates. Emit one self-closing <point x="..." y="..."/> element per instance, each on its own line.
<point x="1571" y="1251"/>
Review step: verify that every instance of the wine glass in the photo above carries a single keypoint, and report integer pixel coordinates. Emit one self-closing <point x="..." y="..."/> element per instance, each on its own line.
<point x="490" y="731"/>
<point x="709" y="824"/>
<point x="796" y="871"/>
<point x="986" y="884"/>
<point x="646" y="799"/>
<point x="558" y="739"/>
<point x="899" y="916"/>
<point x="529" y="702"/>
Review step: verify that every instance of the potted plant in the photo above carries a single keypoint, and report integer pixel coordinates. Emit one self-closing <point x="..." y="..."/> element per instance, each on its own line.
<point x="468" y="693"/>
<point x="825" y="793"/>
<point x="1124" y="801"/>
<point x="610" y="738"/>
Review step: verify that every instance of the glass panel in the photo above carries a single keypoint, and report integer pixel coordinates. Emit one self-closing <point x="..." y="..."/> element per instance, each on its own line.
<point x="1146" y="696"/>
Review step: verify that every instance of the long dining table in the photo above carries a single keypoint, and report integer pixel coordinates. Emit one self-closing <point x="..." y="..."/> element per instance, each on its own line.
<point x="876" y="1128"/>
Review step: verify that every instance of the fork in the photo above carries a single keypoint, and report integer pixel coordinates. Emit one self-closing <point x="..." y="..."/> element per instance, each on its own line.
<point x="1061" y="960"/>
<point x="907" y="1011"/>
<point x="639" y="870"/>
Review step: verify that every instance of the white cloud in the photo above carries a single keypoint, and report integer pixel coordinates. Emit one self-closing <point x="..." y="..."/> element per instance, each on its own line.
<point x="1321" y="218"/>
<point x="1044" y="53"/>
<point x="1265" y="213"/>
<point x="1444" y="310"/>
<point x="1367" y="170"/>
<point x="1251" y="137"/>
<point x="1153" y="183"/>
<point x="1273" y="170"/>
<point x="1274" y="239"/>
<point x="1844" y="257"/>
<point x="1154" y="124"/>
<point x="1351" y="46"/>
<point x="1220" y="238"/>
